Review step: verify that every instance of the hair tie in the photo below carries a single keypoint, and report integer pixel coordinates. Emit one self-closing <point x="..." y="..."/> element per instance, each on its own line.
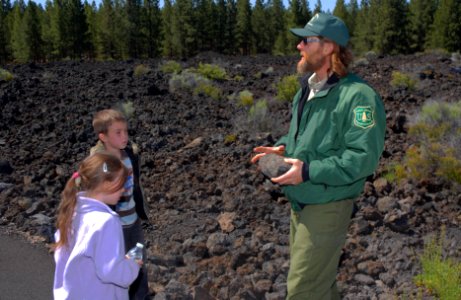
<point x="77" y="178"/>
<point x="104" y="167"/>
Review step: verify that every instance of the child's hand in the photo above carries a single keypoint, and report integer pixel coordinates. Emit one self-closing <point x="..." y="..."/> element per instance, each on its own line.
<point x="138" y="261"/>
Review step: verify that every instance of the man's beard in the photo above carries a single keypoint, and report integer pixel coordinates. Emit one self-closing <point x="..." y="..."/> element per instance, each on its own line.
<point x="306" y="65"/>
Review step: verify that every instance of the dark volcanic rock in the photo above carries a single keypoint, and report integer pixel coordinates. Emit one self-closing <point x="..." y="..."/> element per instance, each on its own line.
<point x="273" y="165"/>
<point x="5" y="167"/>
<point x="195" y="167"/>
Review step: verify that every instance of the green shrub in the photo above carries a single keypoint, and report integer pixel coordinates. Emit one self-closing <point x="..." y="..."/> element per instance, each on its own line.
<point x="171" y="66"/>
<point x="269" y="70"/>
<point x="245" y="98"/>
<point x="141" y="70"/>
<point x="212" y="72"/>
<point x="450" y="166"/>
<point x="401" y="80"/>
<point x="436" y="51"/>
<point x="259" y="110"/>
<point x="238" y="78"/>
<point x="209" y="90"/>
<point x="360" y="62"/>
<point x="5" y="75"/>
<point x="258" y="116"/>
<point x="256" y="119"/>
<point x="370" y="55"/>
<point x="48" y="75"/>
<point x="287" y="88"/>
<point x="264" y="73"/>
<point x="394" y="172"/>
<point x="441" y="277"/>
<point x="186" y="81"/>
<point x="230" y="138"/>
<point x="128" y="109"/>
<point x="438" y="130"/>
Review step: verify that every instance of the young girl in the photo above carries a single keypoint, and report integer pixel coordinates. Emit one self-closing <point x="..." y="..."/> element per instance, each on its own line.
<point x="89" y="249"/>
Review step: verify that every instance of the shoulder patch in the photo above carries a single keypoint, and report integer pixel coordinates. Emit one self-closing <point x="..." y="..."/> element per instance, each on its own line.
<point x="363" y="117"/>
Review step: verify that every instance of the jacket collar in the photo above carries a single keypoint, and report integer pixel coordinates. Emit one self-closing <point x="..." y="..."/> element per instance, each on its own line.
<point x="332" y="80"/>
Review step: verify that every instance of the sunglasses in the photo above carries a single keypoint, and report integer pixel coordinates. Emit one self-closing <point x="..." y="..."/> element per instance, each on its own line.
<point x="307" y="40"/>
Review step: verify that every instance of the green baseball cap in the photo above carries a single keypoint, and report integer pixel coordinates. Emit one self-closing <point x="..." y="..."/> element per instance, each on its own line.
<point x="325" y="25"/>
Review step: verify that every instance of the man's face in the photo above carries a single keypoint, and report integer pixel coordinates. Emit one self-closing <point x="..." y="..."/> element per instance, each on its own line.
<point x="116" y="136"/>
<point x="312" y="53"/>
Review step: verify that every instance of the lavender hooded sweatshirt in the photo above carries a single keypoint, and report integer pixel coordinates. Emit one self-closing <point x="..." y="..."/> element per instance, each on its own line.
<point x="94" y="265"/>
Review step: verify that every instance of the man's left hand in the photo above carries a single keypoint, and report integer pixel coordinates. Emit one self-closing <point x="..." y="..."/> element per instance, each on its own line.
<point x="292" y="176"/>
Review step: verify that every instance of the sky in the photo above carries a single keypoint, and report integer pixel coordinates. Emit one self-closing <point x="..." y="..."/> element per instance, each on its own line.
<point x="327" y="5"/>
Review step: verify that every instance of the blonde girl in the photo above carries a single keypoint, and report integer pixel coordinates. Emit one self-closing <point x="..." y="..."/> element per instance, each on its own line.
<point x="89" y="248"/>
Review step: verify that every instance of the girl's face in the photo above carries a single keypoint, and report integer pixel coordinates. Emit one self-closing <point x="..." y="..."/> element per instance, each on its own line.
<point x="113" y="198"/>
<point x="110" y="192"/>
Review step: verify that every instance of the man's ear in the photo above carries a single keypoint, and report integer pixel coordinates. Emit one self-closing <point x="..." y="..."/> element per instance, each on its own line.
<point x="328" y="48"/>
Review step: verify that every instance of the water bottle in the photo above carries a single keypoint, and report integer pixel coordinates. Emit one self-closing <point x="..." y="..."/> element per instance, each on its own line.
<point x="135" y="253"/>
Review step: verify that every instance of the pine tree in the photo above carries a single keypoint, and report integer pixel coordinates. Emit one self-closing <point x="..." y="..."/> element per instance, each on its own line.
<point x="446" y="29"/>
<point x="363" y="37"/>
<point x="305" y="11"/>
<point x="220" y="33"/>
<point x="184" y="34"/>
<point x="152" y="28"/>
<point x="46" y="30"/>
<point x="243" y="27"/>
<point x="134" y="37"/>
<point x="94" y="44"/>
<point x="121" y="29"/>
<point x="60" y="23"/>
<point x="107" y="29"/>
<point x="353" y="9"/>
<point x="167" y="29"/>
<point x="18" y="36"/>
<point x="230" y="40"/>
<point x="205" y="24"/>
<point x="33" y="39"/>
<point x="68" y="28"/>
<point x="278" y="17"/>
<point x="5" y="52"/>
<point x="391" y="25"/>
<point x="262" y="28"/>
<point x="298" y="17"/>
<point x="341" y="12"/>
<point x="317" y="8"/>
<point x="421" y="18"/>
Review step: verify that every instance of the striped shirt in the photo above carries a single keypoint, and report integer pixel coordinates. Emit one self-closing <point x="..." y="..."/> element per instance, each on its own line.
<point x="126" y="207"/>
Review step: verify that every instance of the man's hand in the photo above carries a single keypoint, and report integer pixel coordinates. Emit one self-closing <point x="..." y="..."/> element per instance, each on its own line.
<point x="293" y="176"/>
<point x="266" y="150"/>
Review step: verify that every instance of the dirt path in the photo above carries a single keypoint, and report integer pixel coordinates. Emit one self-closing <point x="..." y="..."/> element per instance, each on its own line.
<point x="26" y="270"/>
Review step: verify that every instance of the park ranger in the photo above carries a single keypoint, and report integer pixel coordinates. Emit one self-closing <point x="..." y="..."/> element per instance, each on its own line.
<point x="334" y="143"/>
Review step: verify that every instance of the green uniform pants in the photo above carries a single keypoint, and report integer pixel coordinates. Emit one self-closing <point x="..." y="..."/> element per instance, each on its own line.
<point x="317" y="235"/>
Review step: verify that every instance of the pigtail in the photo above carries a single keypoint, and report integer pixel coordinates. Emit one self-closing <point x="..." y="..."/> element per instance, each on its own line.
<point x="66" y="210"/>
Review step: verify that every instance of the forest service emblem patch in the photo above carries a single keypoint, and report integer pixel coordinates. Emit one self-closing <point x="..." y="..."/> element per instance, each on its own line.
<point x="363" y="117"/>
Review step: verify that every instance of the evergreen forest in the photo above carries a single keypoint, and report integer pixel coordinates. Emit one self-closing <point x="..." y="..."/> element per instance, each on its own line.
<point x="122" y="29"/>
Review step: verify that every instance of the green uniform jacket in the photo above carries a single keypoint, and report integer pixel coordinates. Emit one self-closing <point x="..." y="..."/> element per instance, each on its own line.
<point x="340" y="135"/>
